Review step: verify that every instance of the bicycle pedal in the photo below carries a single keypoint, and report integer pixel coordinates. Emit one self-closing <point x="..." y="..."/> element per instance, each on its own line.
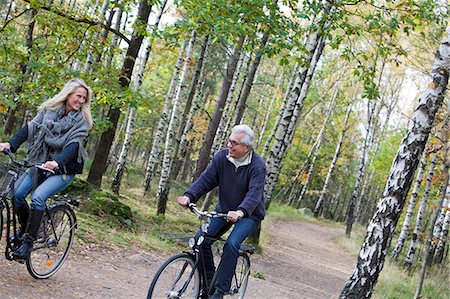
<point x="20" y="261"/>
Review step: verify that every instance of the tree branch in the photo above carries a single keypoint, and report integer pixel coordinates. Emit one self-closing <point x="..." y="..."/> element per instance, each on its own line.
<point x="80" y="20"/>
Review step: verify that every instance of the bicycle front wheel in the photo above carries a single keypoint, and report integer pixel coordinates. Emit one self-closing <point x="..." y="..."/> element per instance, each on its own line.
<point x="176" y="278"/>
<point x="241" y="274"/>
<point x="53" y="242"/>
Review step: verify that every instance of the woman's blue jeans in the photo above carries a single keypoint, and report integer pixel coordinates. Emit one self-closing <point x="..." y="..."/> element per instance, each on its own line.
<point x="49" y="187"/>
<point x="217" y="227"/>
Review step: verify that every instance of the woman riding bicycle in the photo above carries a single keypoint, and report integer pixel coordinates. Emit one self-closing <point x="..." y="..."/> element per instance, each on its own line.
<point x="55" y="141"/>
<point x="240" y="173"/>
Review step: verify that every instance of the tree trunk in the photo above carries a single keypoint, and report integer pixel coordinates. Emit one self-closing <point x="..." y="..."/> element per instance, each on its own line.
<point x="373" y="252"/>
<point x="225" y="121"/>
<point x="101" y="155"/>
<point x="269" y="109"/>
<point x="409" y="212"/>
<point x="291" y="113"/>
<point x="440" y="248"/>
<point x="115" y="186"/>
<point x="317" y="145"/>
<point x="249" y="82"/>
<point x="156" y="150"/>
<point x="171" y="136"/>
<point x="190" y="108"/>
<point x="204" y="155"/>
<point x="337" y="152"/>
<point x="420" y="215"/>
<point x="280" y="114"/>
<point x="427" y="251"/>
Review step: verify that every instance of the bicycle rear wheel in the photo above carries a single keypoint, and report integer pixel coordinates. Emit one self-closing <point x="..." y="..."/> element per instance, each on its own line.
<point x="53" y="242"/>
<point x="239" y="281"/>
<point x="176" y="278"/>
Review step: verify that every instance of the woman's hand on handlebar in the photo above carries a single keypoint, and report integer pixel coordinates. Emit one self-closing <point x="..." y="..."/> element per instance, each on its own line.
<point x="50" y="166"/>
<point x="5" y="146"/>
<point x="184" y="201"/>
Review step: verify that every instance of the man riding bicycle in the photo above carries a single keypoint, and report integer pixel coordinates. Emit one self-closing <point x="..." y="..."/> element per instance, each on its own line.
<point x="240" y="173"/>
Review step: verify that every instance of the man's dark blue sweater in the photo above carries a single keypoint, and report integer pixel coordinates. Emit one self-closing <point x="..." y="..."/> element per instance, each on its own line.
<point x="240" y="188"/>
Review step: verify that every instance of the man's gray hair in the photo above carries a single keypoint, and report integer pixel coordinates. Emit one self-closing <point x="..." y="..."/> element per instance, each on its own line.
<point x="249" y="134"/>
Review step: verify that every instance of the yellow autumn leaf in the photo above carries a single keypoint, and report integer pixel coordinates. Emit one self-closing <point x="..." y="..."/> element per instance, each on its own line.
<point x="431" y="85"/>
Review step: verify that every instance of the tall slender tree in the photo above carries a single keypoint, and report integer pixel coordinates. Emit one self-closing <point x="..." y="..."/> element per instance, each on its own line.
<point x="380" y="229"/>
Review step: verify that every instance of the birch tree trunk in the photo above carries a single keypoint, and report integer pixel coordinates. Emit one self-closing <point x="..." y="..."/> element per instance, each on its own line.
<point x="411" y="206"/>
<point x="420" y="215"/>
<point x="222" y="130"/>
<point x="288" y="122"/>
<point x="318" y="144"/>
<point x="379" y="234"/>
<point x="280" y="114"/>
<point x="249" y="82"/>
<point x="205" y="151"/>
<point x="439" y="253"/>
<point x="269" y="109"/>
<point x="137" y="83"/>
<point x="156" y="150"/>
<point x="337" y="152"/>
<point x="115" y="186"/>
<point x="190" y="108"/>
<point x="438" y="225"/>
<point x="164" y="183"/>
<point x="101" y="155"/>
<point x="428" y="241"/>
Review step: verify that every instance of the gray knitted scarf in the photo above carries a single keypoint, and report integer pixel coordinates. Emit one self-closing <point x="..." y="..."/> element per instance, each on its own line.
<point x="50" y="131"/>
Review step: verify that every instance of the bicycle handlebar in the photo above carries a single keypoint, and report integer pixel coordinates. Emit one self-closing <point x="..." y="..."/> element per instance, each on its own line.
<point x="212" y="214"/>
<point x="25" y="164"/>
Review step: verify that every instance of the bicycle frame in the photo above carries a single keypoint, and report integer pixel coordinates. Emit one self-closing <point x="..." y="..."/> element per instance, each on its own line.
<point x="8" y="204"/>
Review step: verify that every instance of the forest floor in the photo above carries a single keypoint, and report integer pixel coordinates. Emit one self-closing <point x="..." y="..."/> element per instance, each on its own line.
<point x="300" y="260"/>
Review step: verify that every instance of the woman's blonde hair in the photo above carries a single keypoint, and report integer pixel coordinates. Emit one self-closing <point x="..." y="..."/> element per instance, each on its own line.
<point x="59" y="100"/>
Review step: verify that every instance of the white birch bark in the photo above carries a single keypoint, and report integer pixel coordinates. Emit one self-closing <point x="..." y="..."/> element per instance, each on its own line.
<point x="280" y="114"/>
<point x="156" y="151"/>
<point x="136" y="85"/>
<point x="420" y="215"/>
<point x="411" y="206"/>
<point x="318" y="144"/>
<point x="115" y="186"/>
<point x="112" y="159"/>
<point x="269" y="110"/>
<point x="379" y="234"/>
<point x="194" y="97"/>
<point x="164" y="184"/>
<point x="443" y="237"/>
<point x="115" y="39"/>
<point x="222" y="130"/>
<point x="289" y="120"/>
<point x="337" y="152"/>
<point x="148" y="49"/>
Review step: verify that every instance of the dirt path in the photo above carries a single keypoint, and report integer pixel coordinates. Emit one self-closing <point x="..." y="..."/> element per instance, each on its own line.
<point x="301" y="261"/>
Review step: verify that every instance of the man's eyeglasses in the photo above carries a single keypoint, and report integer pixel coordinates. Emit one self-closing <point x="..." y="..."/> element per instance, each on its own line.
<point x="233" y="143"/>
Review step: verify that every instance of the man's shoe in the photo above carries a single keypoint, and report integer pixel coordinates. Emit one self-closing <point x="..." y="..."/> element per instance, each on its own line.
<point x="217" y="295"/>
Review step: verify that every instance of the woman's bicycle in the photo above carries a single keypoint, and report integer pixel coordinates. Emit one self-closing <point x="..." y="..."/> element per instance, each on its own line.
<point x="56" y="231"/>
<point x="184" y="275"/>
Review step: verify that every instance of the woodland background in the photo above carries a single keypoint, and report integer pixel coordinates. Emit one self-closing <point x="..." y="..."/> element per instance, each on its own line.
<point x="329" y="87"/>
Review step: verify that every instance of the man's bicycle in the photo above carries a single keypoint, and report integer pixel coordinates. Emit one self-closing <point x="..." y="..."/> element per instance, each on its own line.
<point x="56" y="231"/>
<point x="184" y="275"/>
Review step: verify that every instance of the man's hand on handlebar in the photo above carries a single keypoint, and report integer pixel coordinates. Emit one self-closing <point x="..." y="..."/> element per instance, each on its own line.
<point x="234" y="216"/>
<point x="183" y="201"/>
